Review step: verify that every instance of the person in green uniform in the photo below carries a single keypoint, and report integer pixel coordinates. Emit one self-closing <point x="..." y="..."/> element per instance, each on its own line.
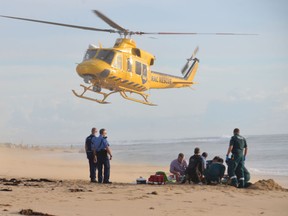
<point x="246" y="177"/>
<point x="238" y="174"/>
<point x="238" y="148"/>
<point x="215" y="172"/>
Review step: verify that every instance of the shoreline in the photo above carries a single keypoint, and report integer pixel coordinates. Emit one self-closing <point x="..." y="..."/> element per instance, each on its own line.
<point x="47" y="162"/>
<point x="52" y="184"/>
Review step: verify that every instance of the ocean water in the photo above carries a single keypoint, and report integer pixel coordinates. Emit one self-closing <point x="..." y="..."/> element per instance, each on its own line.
<point x="267" y="154"/>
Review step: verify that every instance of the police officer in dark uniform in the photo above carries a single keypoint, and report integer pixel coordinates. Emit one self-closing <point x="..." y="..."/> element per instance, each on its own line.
<point x="103" y="150"/>
<point x="91" y="156"/>
<point x="238" y="147"/>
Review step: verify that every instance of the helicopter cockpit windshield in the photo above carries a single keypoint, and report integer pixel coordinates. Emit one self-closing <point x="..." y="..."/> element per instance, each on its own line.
<point x="102" y="54"/>
<point x="105" y="55"/>
<point x="90" y="54"/>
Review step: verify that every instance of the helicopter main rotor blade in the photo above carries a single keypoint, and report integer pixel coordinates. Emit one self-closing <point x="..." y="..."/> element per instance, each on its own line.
<point x="126" y="31"/>
<point x="62" y="24"/>
<point x="109" y="21"/>
<point x="191" y="33"/>
<point x="120" y="29"/>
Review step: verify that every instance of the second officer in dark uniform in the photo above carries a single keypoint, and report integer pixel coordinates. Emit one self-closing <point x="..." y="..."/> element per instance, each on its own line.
<point x="91" y="156"/>
<point x="238" y="147"/>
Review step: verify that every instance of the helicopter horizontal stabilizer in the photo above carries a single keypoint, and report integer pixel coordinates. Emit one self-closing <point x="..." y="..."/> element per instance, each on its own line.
<point x="184" y="82"/>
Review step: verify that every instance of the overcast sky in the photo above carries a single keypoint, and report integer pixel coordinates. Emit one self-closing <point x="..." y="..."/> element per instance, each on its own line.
<point x="243" y="80"/>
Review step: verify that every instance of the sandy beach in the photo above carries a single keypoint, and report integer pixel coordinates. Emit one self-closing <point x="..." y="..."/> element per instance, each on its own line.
<point x="42" y="180"/>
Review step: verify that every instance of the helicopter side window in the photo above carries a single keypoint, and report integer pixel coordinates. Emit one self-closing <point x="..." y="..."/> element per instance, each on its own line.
<point x="105" y="55"/>
<point x="136" y="51"/>
<point x="90" y="54"/>
<point x="138" y="68"/>
<point x="129" y="65"/>
<point x="144" y="70"/>
<point x="118" y="61"/>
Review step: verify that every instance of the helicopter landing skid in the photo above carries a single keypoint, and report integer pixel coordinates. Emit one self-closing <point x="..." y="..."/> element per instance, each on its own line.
<point x="123" y="92"/>
<point x="145" y="96"/>
<point x="105" y="95"/>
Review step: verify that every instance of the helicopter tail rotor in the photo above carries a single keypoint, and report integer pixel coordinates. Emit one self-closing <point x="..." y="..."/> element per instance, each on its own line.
<point x="195" y="52"/>
<point x="184" y="69"/>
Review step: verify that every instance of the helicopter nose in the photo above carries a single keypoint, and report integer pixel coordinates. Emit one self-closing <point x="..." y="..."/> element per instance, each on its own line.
<point x="88" y="68"/>
<point x="84" y="68"/>
<point x="92" y="69"/>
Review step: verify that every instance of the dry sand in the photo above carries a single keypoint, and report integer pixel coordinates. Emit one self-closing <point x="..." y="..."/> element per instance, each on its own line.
<point x="70" y="192"/>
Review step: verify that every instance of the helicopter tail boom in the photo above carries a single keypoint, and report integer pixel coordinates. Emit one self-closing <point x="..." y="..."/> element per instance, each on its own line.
<point x="161" y="80"/>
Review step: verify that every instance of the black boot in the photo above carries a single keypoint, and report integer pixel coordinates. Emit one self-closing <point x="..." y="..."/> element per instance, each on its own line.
<point x="234" y="182"/>
<point x="241" y="184"/>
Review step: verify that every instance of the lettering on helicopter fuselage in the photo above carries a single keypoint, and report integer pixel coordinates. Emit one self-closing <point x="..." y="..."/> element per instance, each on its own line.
<point x="154" y="78"/>
<point x="161" y="79"/>
<point x="165" y="80"/>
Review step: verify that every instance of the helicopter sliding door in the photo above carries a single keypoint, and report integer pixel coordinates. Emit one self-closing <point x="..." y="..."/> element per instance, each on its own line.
<point x="141" y="70"/>
<point x="144" y="74"/>
<point x="129" y="65"/>
<point x="118" y="62"/>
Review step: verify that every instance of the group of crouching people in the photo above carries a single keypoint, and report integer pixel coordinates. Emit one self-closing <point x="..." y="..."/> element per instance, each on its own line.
<point x="202" y="171"/>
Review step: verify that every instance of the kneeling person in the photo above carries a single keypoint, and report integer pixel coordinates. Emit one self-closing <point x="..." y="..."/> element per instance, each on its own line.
<point x="195" y="169"/>
<point x="178" y="166"/>
<point x="216" y="171"/>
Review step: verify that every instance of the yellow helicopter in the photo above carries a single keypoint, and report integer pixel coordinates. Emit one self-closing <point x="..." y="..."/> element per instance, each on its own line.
<point x="125" y="68"/>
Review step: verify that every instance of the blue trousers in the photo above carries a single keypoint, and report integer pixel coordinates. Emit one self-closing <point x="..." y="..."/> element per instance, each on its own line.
<point x="92" y="166"/>
<point x="103" y="161"/>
